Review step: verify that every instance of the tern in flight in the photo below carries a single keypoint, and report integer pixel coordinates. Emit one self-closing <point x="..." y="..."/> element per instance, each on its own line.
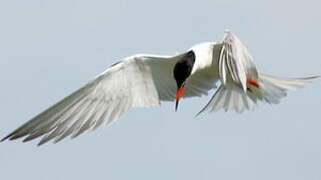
<point x="146" y="80"/>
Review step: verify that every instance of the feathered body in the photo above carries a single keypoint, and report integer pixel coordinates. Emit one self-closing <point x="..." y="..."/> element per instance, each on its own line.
<point x="146" y="80"/>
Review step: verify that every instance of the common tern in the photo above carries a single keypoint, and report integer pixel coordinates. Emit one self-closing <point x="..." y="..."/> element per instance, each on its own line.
<point x="145" y="80"/>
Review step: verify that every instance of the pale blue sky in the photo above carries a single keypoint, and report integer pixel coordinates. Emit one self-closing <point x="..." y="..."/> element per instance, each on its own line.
<point x="50" y="48"/>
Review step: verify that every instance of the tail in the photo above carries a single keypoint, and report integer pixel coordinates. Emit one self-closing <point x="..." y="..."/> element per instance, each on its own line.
<point x="267" y="88"/>
<point x="274" y="88"/>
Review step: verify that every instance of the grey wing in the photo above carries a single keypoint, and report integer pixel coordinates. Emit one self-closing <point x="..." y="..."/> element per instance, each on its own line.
<point x="138" y="81"/>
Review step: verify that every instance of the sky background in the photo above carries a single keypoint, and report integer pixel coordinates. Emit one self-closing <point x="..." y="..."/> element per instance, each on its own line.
<point x="50" y="48"/>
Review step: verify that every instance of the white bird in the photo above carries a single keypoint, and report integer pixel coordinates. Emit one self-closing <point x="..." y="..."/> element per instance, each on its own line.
<point x="146" y="80"/>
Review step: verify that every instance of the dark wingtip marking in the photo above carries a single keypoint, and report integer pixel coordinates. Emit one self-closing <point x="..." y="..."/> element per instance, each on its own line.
<point x="13" y="136"/>
<point x="8" y="137"/>
<point x="5" y="138"/>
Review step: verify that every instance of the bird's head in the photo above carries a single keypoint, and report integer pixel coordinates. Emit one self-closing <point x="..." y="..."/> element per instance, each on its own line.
<point x="182" y="71"/>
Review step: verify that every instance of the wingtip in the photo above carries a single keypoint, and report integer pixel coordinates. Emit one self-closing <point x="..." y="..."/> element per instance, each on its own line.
<point x="6" y="138"/>
<point x="26" y="140"/>
<point x="39" y="144"/>
<point x="311" y="78"/>
<point x="3" y="139"/>
<point x="197" y="114"/>
<point x="315" y="77"/>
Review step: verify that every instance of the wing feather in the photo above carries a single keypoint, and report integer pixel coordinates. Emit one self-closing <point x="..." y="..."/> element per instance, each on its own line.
<point x="137" y="81"/>
<point x="235" y="61"/>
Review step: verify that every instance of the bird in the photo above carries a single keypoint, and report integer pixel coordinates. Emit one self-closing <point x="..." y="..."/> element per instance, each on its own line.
<point x="144" y="80"/>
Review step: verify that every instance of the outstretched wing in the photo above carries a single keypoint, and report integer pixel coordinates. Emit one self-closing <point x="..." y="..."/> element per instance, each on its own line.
<point x="137" y="81"/>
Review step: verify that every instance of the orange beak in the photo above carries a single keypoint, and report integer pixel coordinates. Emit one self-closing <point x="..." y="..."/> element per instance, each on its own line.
<point x="179" y="94"/>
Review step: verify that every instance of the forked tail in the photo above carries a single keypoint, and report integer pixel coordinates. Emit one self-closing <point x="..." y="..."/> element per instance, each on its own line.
<point x="267" y="88"/>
